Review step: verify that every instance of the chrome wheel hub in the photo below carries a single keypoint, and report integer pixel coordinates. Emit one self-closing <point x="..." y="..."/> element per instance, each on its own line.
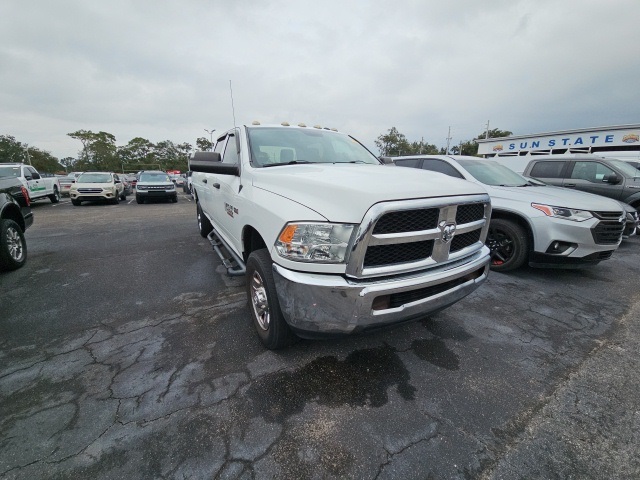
<point x="16" y="249"/>
<point x="259" y="301"/>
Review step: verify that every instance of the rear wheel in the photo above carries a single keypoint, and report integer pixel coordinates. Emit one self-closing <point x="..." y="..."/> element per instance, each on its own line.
<point x="272" y="328"/>
<point x="204" y="225"/>
<point x="55" y="196"/>
<point x="123" y="197"/>
<point x="508" y="244"/>
<point x="13" y="247"/>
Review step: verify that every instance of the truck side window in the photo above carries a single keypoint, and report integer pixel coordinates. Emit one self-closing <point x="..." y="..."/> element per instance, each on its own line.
<point x="220" y="145"/>
<point x="547" y="170"/>
<point x="440" y="166"/>
<point x="34" y="175"/>
<point x="594" y="172"/>
<point x="409" y="162"/>
<point x="230" y="152"/>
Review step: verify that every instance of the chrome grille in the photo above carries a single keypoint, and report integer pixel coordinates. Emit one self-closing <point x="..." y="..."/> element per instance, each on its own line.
<point x="412" y="235"/>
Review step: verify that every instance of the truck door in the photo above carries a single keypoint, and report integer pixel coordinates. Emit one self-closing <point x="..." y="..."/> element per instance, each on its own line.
<point x="229" y="195"/>
<point x="208" y="196"/>
<point x="591" y="176"/>
<point x="35" y="184"/>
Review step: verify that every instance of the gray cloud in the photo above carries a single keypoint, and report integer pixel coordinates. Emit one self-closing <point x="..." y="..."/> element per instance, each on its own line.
<point x="161" y="70"/>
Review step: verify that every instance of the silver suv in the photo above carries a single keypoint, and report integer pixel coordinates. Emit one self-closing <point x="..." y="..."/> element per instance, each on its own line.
<point x="155" y="184"/>
<point x="546" y="226"/>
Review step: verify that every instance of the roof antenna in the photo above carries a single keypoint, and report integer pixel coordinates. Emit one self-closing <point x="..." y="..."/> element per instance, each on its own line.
<point x="232" y="107"/>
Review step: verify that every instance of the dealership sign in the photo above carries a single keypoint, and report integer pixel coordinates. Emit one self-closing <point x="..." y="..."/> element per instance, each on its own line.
<point x="579" y="139"/>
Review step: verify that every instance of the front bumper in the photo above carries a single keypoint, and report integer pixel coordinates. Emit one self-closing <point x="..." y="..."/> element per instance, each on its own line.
<point x="317" y="305"/>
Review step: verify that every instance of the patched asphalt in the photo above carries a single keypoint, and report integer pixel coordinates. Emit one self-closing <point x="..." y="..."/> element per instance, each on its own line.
<point x="126" y="352"/>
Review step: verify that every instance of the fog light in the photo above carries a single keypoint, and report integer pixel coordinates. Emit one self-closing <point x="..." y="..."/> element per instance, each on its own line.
<point x="558" y="247"/>
<point x="381" y="303"/>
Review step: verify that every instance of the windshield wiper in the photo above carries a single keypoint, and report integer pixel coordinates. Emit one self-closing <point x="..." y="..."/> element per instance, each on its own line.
<point x="292" y="162"/>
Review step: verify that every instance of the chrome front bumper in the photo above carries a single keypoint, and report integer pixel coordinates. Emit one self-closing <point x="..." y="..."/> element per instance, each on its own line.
<point x="318" y="305"/>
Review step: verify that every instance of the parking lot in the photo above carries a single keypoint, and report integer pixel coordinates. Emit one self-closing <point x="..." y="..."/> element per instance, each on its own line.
<point x="126" y="352"/>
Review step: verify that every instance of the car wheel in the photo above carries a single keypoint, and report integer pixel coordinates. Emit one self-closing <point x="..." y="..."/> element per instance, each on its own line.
<point x="76" y="202"/>
<point x="123" y="197"/>
<point x="174" y="199"/>
<point x="13" y="246"/>
<point x="139" y="199"/>
<point x="55" y="196"/>
<point x="204" y="225"/>
<point x="272" y="328"/>
<point x="508" y="244"/>
<point x="116" y="200"/>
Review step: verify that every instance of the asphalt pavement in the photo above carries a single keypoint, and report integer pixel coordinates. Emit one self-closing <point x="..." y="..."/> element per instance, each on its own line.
<point x="126" y="352"/>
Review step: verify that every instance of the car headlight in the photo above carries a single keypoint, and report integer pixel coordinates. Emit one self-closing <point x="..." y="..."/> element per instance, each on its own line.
<point x="562" y="212"/>
<point x="315" y="242"/>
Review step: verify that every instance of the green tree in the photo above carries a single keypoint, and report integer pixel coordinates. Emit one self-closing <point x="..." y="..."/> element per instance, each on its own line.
<point x="11" y="150"/>
<point x="494" y="133"/>
<point x="393" y="143"/>
<point x="203" y="144"/>
<point x="68" y="163"/>
<point x="98" y="152"/>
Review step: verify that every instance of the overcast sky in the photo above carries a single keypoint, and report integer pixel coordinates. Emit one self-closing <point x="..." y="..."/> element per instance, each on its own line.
<point x="161" y="70"/>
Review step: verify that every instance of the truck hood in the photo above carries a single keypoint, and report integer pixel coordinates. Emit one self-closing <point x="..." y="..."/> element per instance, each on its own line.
<point x="344" y="192"/>
<point x="554" y="196"/>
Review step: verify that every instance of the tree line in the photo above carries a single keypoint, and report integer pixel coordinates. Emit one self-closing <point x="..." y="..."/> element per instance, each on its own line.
<point x="393" y="144"/>
<point x="99" y="151"/>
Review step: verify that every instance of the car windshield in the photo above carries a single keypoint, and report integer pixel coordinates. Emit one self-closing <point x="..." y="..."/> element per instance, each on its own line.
<point x="492" y="173"/>
<point x="7" y="171"/>
<point x="94" y="178"/>
<point x="625" y="167"/>
<point x="289" y="146"/>
<point x="154" y="177"/>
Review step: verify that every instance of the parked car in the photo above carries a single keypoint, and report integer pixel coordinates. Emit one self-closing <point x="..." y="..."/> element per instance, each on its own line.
<point x="155" y="185"/>
<point x="633" y="221"/>
<point x="92" y="186"/>
<point x="15" y="218"/>
<point x="531" y="222"/>
<point x="609" y="177"/>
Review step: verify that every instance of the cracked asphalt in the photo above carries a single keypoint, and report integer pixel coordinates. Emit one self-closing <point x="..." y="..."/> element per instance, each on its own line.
<point x="126" y="352"/>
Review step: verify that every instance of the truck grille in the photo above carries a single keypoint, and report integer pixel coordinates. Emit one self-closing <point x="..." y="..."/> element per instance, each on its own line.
<point x="609" y="230"/>
<point x="89" y="190"/>
<point x="405" y="236"/>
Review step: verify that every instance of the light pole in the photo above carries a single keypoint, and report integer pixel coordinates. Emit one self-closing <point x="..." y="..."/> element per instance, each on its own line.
<point x="210" y="132"/>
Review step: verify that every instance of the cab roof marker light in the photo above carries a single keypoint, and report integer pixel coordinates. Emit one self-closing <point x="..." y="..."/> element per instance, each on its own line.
<point x="317" y="126"/>
<point x="334" y="129"/>
<point x="285" y="124"/>
<point x="255" y="122"/>
<point x="301" y="125"/>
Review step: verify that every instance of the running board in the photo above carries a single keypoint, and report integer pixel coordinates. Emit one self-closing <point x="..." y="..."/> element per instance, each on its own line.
<point x="235" y="265"/>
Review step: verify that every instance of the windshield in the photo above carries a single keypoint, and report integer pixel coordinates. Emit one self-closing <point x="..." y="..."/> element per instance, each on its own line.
<point x="9" y="171"/>
<point x="154" y="177"/>
<point x="94" y="178"/>
<point x="626" y="168"/>
<point x="289" y="145"/>
<point x="492" y="173"/>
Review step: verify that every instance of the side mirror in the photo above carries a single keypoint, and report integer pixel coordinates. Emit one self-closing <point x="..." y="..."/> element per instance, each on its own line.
<point x="613" y="179"/>
<point x="387" y="160"/>
<point x="206" y="157"/>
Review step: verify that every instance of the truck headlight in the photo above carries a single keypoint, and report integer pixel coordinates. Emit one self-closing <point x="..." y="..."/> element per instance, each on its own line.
<point x="315" y="242"/>
<point x="562" y="212"/>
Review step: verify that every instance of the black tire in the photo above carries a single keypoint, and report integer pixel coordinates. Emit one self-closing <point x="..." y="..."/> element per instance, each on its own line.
<point x="76" y="202"/>
<point x="123" y="197"/>
<point x="13" y="246"/>
<point x="508" y="244"/>
<point x="204" y="225"/>
<point x="55" y="196"/>
<point x="272" y="328"/>
<point x="174" y="199"/>
<point x="139" y="199"/>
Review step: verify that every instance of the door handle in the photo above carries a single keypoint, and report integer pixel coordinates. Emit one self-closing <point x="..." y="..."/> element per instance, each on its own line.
<point x="570" y="185"/>
<point x="216" y="185"/>
<point x="204" y="180"/>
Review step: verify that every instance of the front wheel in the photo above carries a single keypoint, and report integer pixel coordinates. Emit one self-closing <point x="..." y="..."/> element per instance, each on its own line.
<point x="13" y="246"/>
<point x="139" y="199"/>
<point x="76" y="202"/>
<point x="508" y="244"/>
<point x="123" y="197"/>
<point x="273" y="330"/>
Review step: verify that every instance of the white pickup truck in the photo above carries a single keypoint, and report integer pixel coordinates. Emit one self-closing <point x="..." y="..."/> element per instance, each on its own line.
<point x="39" y="187"/>
<point x="331" y="239"/>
